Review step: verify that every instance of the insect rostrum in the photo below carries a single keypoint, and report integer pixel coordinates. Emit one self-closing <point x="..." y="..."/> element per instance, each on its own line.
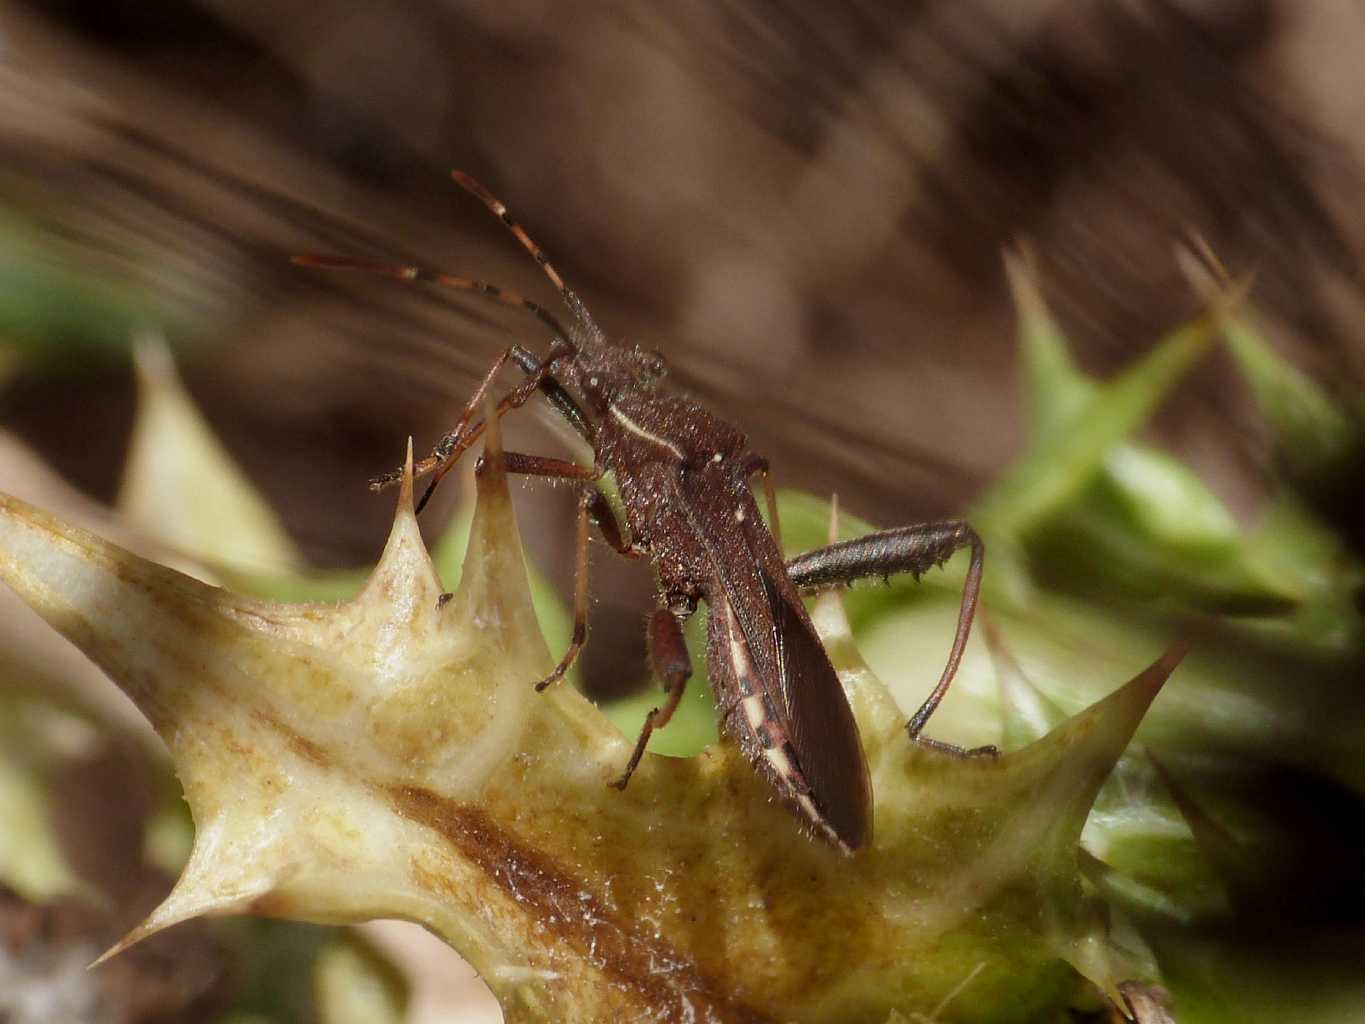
<point x="685" y="482"/>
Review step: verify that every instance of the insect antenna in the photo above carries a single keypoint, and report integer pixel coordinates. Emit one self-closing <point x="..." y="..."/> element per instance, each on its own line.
<point x="408" y="272"/>
<point x="499" y="209"/>
<point x="455" y="442"/>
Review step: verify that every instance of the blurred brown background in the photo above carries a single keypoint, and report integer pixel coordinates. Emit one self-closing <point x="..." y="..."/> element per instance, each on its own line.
<point x="802" y="205"/>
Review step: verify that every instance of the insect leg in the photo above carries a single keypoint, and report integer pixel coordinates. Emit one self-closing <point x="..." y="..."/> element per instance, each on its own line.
<point x="668" y="654"/>
<point x="587" y="502"/>
<point x="591" y="504"/>
<point x="912" y="549"/>
<point x="529" y="363"/>
<point x="598" y="507"/>
<point x="758" y="464"/>
<point x="600" y="510"/>
<point x="541" y="465"/>
<point x="450" y="447"/>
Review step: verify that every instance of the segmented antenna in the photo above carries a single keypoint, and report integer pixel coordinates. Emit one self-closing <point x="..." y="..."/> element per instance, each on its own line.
<point x="499" y="208"/>
<point x="449" y="448"/>
<point x="407" y="272"/>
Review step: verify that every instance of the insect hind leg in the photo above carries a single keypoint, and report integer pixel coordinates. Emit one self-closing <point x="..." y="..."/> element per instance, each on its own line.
<point x="916" y="550"/>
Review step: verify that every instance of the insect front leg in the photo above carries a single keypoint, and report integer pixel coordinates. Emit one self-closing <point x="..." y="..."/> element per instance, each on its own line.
<point x="912" y="549"/>
<point x="450" y="447"/>
<point x="669" y="658"/>
<point x="531" y="365"/>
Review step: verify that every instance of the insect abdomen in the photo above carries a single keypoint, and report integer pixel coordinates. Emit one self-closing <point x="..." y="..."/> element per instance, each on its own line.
<point x="751" y="716"/>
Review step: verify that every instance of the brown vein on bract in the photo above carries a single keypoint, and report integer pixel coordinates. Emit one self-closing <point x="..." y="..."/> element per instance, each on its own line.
<point x="678" y="991"/>
<point x="301" y="745"/>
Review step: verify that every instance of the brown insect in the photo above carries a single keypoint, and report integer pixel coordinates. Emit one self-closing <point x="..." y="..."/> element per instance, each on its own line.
<point x="684" y="478"/>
